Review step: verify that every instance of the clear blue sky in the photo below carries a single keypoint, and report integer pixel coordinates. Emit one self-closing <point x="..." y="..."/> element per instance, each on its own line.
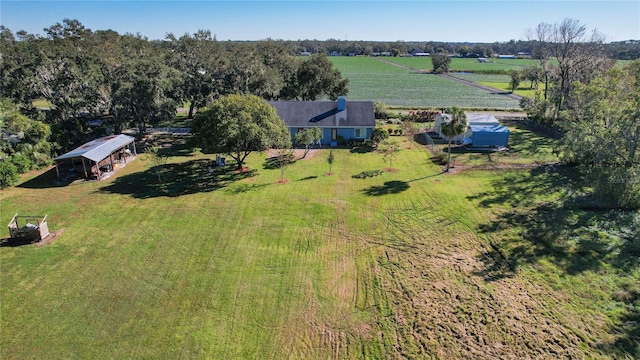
<point x="390" y="20"/>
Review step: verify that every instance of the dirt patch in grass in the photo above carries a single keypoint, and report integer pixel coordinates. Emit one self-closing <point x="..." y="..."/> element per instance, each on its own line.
<point x="243" y="170"/>
<point x="51" y="238"/>
<point x="444" y="306"/>
<point x="297" y="154"/>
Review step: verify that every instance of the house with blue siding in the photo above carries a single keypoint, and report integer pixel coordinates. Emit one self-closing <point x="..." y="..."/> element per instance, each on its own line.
<point x="339" y="119"/>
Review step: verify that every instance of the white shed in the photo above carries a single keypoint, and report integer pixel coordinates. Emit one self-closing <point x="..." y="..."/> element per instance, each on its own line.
<point x="476" y="119"/>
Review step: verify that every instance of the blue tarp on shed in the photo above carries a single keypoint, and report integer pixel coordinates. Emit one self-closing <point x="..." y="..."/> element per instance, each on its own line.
<point x="489" y="136"/>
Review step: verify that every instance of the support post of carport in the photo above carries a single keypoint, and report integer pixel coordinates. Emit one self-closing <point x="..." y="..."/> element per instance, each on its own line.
<point x="84" y="168"/>
<point x="57" y="171"/>
<point x="98" y="170"/>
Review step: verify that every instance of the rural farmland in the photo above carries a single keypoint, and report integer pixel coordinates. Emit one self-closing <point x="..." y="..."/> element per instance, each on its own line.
<point x="379" y="80"/>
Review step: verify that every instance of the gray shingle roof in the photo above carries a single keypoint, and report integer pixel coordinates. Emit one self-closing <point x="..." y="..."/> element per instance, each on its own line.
<point x="98" y="149"/>
<point x="325" y="114"/>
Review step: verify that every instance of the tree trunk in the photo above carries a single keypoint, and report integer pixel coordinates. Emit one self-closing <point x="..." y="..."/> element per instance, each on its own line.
<point x="546" y="84"/>
<point x="449" y="156"/>
<point x="191" y="108"/>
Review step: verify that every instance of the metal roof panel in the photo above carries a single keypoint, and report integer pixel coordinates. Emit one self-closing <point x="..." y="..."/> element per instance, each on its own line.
<point x="98" y="149"/>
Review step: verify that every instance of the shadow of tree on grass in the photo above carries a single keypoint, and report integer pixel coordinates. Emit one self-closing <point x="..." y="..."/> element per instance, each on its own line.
<point x="273" y="163"/>
<point x="308" y="178"/>
<point x="389" y="187"/>
<point x="542" y="219"/>
<point x="178" y="179"/>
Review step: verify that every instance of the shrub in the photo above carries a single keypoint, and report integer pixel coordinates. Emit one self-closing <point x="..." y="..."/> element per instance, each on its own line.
<point x="378" y="136"/>
<point x="421" y="116"/>
<point x="8" y="174"/>
<point x="366" y="174"/>
<point x="357" y="142"/>
<point x="22" y="163"/>
<point x="439" y="158"/>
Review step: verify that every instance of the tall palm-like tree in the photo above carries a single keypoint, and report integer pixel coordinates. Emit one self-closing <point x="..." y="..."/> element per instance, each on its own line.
<point x="457" y="125"/>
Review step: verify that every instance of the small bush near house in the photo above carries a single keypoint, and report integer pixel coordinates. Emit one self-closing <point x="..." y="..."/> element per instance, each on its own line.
<point x="439" y="158"/>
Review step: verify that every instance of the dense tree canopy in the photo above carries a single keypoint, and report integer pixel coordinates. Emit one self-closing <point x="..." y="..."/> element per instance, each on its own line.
<point x="238" y="125"/>
<point x="202" y="63"/>
<point x="603" y="134"/>
<point x="24" y="143"/>
<point x="315" y="78"/>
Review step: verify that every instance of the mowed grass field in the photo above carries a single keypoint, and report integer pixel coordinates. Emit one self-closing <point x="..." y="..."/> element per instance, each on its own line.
<point x="378" y="80"/>
<point x="411" y="263"/>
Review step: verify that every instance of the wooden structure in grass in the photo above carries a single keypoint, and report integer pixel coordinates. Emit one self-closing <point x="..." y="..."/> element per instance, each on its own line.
<point x="96" y="157"/>
<point x="34" y="228"/>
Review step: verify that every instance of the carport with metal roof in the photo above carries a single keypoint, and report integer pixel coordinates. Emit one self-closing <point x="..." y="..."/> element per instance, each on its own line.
<point x="97" y="157"/>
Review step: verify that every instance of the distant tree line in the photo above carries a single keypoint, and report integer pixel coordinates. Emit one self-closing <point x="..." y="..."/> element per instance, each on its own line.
<point x="621" y="50"/>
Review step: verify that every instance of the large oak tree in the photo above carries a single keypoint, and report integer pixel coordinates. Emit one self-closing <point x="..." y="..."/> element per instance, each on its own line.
<point x="238" y="125"/>
<point x="202" y="63"/>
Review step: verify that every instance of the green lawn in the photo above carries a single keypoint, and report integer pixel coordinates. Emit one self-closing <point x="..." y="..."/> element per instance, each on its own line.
<point x="522" y="90"/>
<point x="525" y="147"/>
<point x="406" y="264"/>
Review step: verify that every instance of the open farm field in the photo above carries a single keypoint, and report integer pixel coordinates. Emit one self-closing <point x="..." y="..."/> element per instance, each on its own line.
<point x="411" y="263"/>
<point x="466" y="64"/>
<point x="376" y="80"/>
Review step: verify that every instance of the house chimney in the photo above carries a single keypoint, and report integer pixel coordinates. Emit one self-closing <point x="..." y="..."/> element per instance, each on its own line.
<point x="341" y="115"/>
<point x="342" y="103"/>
